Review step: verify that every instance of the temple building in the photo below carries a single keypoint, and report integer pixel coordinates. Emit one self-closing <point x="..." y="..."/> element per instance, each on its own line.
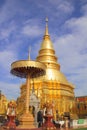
<point x="53" y="87"/>
<point x="81" y="103"/>
<point x="3" y="104"/>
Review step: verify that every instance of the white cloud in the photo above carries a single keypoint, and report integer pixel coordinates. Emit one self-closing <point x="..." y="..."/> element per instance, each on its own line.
<point x="78" y="26"/>
<point x="65" y="7"/>
<point x="32" y="30"/>
<point x="6" y="31"/>
<point x="6" y="58"/>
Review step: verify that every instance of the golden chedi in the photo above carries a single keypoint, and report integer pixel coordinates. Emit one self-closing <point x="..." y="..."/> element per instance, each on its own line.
<point x="52" y="87"/>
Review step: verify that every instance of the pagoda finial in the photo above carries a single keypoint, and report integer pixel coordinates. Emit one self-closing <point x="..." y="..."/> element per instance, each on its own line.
<point x="46" y="19"/>
<point x="46" y="30"/>
<point x="29" y="53"/>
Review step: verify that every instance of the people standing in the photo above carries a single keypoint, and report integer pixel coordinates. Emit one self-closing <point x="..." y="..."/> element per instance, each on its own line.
<point x="40" y="118"/>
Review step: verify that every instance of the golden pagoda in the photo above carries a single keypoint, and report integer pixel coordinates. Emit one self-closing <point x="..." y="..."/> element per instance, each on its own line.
<point x="54" y="86"/>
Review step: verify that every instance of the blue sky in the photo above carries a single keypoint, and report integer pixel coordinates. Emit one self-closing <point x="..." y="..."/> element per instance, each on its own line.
<point x="22" y="24"/>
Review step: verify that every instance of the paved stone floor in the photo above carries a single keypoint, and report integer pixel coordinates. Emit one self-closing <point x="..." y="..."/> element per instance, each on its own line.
<point x="1" y="128"/>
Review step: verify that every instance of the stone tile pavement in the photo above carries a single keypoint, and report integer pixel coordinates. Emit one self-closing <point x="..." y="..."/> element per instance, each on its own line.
<point x="3" y="128"/>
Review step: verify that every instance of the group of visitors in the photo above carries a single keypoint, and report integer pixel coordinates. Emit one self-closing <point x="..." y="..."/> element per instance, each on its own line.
<point x="60" y="122"/>
<point x="47" y="110"/>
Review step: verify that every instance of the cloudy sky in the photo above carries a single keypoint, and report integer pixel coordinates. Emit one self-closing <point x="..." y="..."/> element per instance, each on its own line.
<point x="22" y="24"/>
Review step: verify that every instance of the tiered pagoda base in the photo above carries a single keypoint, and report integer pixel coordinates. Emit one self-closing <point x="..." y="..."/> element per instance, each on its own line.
<point x="26" y="121"/>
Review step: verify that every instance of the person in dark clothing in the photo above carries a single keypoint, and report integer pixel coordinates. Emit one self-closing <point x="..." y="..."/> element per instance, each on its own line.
<point x="40" y="118"/>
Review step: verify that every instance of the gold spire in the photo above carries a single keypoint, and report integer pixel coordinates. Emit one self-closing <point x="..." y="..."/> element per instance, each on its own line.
<point x="46" y="30"/>
<point x="29" y="53"/>
<point x="47" y="52"/>
<point x="47" y="56"/>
